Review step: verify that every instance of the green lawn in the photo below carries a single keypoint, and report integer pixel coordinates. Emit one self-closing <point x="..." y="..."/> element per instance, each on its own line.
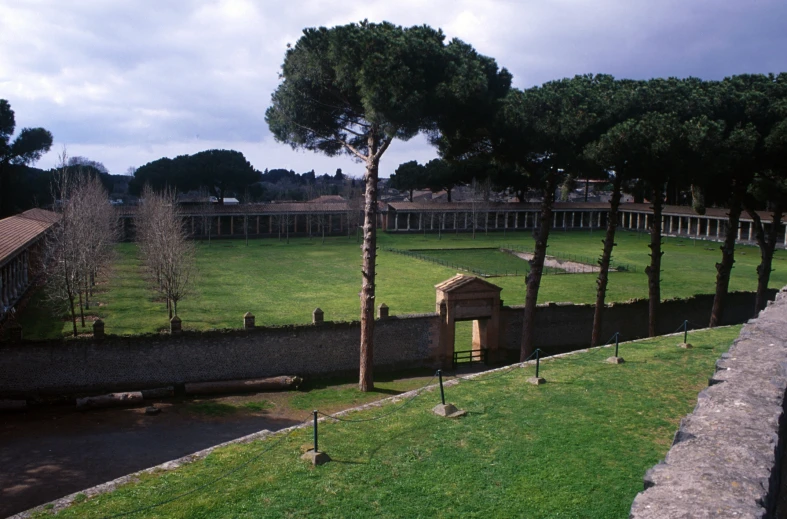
<point x="283" y="283"/>
<point x="577" y="446"/>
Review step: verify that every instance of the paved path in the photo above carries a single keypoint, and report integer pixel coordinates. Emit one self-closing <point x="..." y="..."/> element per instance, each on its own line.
<point x="48" y="453"/>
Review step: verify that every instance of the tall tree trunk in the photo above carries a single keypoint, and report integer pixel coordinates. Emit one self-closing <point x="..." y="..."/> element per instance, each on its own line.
<point x="369" y="248"/>
<point x="654" y="269"/>
<point x="533" y="279"/>
<point x="606" y="258"/>
<point x="724" y="269"/>
<point x="767" y="244"/>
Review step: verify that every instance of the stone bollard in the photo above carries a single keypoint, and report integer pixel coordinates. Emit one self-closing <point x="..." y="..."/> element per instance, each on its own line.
<point x="15" y="333"/>
<point x="98" y="329"/>
<point x="382" y="311"/>
<point x="175" y="325"/>
<point x="248" y="321"/>
<point x="317" y="316"/>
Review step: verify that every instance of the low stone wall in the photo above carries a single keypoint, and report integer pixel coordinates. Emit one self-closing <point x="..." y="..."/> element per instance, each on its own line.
<point x="34" y="368"/>
<point x="726" y="458"/>
<point x="563" y="327"/>
<point x="122" y="363"/>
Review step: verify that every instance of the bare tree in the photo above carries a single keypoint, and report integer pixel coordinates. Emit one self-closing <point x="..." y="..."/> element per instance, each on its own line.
<point x="80" y="245"/>
<point x="164" y="246"/>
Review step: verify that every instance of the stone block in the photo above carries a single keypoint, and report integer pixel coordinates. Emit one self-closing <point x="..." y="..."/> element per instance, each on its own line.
<point x="615" y="360"/>
<point x="175" y="325"/>
<point x="382" y="311"/>
<point x="536" y="381"/>
<point x="318" y="316"/>
<point x="316" y="457"/>
<point x="448" y="411"/>
<point x="248" y="321"/>
<point x="98" y="329"/>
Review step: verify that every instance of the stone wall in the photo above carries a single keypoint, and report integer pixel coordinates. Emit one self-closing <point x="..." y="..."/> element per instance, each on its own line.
<point x="726" y="458"/>
<point x="129" y="363"/>
<point x="120" y="363"/>
<point x="562" y="327"/>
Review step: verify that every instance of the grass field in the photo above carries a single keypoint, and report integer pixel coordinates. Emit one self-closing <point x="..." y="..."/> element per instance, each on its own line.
<point x="283" y="283"/>
<point x="577" y="446"/>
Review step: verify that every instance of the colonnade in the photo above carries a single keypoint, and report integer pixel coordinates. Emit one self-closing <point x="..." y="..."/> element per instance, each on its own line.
<point x="14" y="280"/>
<point x="404" y="221"/>
<point x="701" y="227"/>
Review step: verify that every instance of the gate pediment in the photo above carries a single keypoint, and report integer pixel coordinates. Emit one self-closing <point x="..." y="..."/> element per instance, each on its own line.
<point x="467" y="297"/>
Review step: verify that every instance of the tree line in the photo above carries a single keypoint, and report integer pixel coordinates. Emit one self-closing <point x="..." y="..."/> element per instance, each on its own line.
<point x="223" y="173"/>
<point x="356" y="88"/>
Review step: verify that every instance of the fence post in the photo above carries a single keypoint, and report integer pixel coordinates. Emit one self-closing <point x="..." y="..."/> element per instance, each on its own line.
<point x="537" y="380"/>
<point x="685" y="344"/>
<point x="616" y="359"/>
<point x="313" y="455"/>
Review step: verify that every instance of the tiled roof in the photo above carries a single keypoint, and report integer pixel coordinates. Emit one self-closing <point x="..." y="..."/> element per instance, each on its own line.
<point x="327" y="199"/>
<point x="19" y="231"/>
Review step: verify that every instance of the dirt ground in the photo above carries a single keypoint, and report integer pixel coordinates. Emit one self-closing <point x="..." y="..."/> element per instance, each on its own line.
<point x="47" y="453"/>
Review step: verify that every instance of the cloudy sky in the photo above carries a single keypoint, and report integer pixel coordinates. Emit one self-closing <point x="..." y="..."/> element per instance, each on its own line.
<point x="127" y="82"/>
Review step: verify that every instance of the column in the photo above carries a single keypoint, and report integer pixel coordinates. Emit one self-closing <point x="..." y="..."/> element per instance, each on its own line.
<point x="680" y="224"/>
<point x="707" y="227"/>
<point x="554" y="222"/>
<point x="408" y="221"/>
<point x="431" y="221"/>
<point x="718" y="229"/>
<point x="505" y="224"/>
<point x="671" y="218"/>
<point x="516" y="219"/>
<point x="497" y="219"/>
<point x="572" y="219"/>
<point x="751" y="224"/>
<point x="599" y="218"/>
<point x="740" y="228"/>
<point x="638" y="221"/>
<point x="466" y="220"/>
<point x="455" y="215"/>
<point x="581" y="220"/>
<point x="564" y="219"/>
<point x="396" y="221"/>
<point x="2" y="289"/>
<point x="258" y="224"/>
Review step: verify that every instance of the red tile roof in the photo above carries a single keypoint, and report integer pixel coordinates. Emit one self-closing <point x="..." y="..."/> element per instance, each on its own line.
<point x="19" y="231"/>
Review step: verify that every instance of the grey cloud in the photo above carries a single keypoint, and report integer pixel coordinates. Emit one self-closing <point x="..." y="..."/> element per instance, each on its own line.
<point x="127" y="79"/>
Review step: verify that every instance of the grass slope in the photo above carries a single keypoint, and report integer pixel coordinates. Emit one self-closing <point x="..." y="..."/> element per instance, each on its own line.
<point x="283" y="283"/>
<point x="577" y="446"/>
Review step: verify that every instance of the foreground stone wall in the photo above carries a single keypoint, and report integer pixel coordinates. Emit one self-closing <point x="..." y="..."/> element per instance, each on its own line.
<point x="726" y="457"/>
<point x="565" y="327"/>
